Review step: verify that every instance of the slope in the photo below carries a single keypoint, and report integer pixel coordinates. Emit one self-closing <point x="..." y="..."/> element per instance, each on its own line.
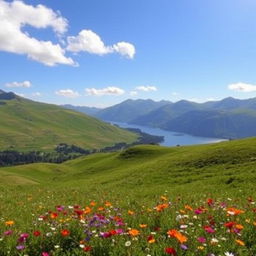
<point x="28" y="125"/>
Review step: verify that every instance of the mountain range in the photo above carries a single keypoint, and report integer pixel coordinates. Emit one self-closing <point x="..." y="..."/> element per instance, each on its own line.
<point x="227" y="118"/>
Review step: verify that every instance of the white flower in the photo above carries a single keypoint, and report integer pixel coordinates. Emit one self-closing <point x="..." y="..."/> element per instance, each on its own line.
<point x="128" y="243"/>
<point x="81" y="245"/>
<point x="183" y="226"/>
<point x="229" y="254"/>
<point x="56" y="246"/>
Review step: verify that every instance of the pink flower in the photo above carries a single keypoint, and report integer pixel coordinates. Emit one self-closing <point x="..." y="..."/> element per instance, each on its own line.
<point x="209" y="229"/>
<point x="201" y="239"/>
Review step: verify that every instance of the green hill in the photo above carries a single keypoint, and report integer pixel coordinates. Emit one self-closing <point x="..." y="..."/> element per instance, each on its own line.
<point x="28" y="125"/>
<point x="146" y="169"/>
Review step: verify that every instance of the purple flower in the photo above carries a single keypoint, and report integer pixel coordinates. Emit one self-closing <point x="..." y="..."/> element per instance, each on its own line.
<point x="201" y="239"/>
<point x="20" y="247"/>
<point x="183" y="247"/>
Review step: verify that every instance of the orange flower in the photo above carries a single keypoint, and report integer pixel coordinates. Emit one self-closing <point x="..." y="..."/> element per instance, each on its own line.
<point x="143" y="225"/>
<point x="93" y="203"/>
<point x="161" y="207"/>
<point x="9" y="223"/>
<point x="254" y="223"/>
<point x="108" y="204"/>
<point x="240" y="242"/>
<point x="65" y="232"/>
<point x="87" y="210"/>
<point x="131" y="212"/>
<point x="187" y="207"/>
<point x="54" y="215"/>
<point x="239" y="226"/>
<point x="134" y="232"/>
<point x="175" y="233"/>
<point x="151" y="239"/>
<point x="234" y="211"/>
<point x="101" y="208"/>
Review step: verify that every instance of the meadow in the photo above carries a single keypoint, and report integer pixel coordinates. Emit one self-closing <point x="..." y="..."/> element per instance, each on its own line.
<point x="146" y="200"/>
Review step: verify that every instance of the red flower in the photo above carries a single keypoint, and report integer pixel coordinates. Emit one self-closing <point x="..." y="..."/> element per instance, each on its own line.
<point x="87" y="248"/>
<point x="36" y="233"/>
<point x="65" y="232"/>
<point x="170" y="250"/>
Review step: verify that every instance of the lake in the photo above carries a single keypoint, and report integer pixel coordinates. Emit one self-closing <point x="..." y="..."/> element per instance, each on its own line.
<point x="172" y="138"/>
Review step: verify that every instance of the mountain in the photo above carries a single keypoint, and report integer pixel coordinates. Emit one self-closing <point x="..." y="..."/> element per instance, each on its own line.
<point x="129" y="110"/>
<point x="215" y="123"/>
<point x="28" y="125"/>
<point x="91" y="111"/>
<point x="161" y="115"/>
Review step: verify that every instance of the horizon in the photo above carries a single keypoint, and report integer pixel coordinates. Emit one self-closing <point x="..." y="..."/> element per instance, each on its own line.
<point x="100" y="54"/>
<point x="173" y="102"/>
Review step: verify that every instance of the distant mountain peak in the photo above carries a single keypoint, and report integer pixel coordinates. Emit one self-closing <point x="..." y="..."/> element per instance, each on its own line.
<point x="7" y="95"/>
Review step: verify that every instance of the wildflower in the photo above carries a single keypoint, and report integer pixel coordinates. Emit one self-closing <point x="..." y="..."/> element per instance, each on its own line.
<point x="9" y="223"/>
<point x="161" y="207"/>
<point x="201" y="239"/>
<point x="128" y="243"/>
<point x="163" y="198"/>
<point x="229" y="254"/>
<point x="151" y="239"/>
<point x="143" y="225"/>
<point x="45" y="254"/>
<point x="188" y="207"/>
<point x="183" y="247"/>
<point x="170" y="250"/>
<point x="234" y="211"/>
<point x="134" y="232"/>
<point x="20" y="247"/>
<point x="131" y="212"/>
<point x="54" y="215"/>
<point x="240" y="242"/>
<point x="65" y="232"/>
<point x="8" y="232"/>
<point x="87" y="248"/>
<point x="108" y="204"/>
<point x="174" y="233"/>
<point x="36" y="233"/>
<point x="209" y="229"/>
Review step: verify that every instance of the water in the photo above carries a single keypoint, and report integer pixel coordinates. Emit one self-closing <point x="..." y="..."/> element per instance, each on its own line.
<point x="172" y="138"/>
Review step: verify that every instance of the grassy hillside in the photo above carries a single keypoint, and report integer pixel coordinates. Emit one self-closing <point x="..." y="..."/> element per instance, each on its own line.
<point x="146" y="200"/>
<point x="27" y="125"/>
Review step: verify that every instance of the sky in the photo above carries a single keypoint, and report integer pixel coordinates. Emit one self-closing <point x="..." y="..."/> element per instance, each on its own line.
<point x="99" y="53"/>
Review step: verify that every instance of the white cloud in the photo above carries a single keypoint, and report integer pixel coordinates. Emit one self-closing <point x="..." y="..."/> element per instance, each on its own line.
<point x="146" y="88"/>
<point x="15" y="15"/>
<point x="242" y="87"/>
<point x="25" y="84"/>
<point x="175" y="93"/>
<point x="125" y="49"/>
<point x="89" y="41"/>
<point x="36" y="94"/>
<point x="68" y="93"/>
<point x="133" y="93"/>
<point x="105" y="91"/>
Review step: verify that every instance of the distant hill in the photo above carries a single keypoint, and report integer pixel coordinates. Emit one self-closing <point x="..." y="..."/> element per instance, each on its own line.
<point x="129" y="110"/>
<point x="28" y="125"/>
<point x="83" y="109"/>
<point x="227" y="118"/>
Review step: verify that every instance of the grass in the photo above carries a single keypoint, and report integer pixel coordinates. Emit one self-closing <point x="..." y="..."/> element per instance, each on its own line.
<point x="30" y="125"/>
<point x="135" y="182"/>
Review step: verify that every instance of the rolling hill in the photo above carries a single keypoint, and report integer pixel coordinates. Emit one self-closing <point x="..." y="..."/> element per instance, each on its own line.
<point x="28" y="125"/>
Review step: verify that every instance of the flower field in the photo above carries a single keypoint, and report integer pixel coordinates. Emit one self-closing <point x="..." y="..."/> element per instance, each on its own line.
<point x="169" y="226"/>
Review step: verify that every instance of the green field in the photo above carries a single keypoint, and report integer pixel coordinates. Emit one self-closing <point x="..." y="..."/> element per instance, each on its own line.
<point x="151" y="188"/>
<point x="28" y="125"/>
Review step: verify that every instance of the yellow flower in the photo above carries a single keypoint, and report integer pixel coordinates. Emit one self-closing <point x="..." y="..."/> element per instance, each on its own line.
<point x="131" y="212"/>
<point x="9" y="223"/>
<point x="164" y="198"/>
<point x="200" y="248"/>
<point x="143" y="225"/>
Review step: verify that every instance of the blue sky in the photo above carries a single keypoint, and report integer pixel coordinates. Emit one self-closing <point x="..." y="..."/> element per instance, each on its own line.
<point x="99" y="53"/>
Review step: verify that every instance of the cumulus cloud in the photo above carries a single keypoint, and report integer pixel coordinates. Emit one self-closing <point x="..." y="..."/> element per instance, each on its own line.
<point x="104" y="91"/>
<point x="68" y="93"/>
<point x="25" y="84"/>
<point x="242" y="87"/>
<point x="89" y="41"/>
<point x="146" y="88"/>
<point x="133" y="93"/>
<point x="15" y="15"/>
